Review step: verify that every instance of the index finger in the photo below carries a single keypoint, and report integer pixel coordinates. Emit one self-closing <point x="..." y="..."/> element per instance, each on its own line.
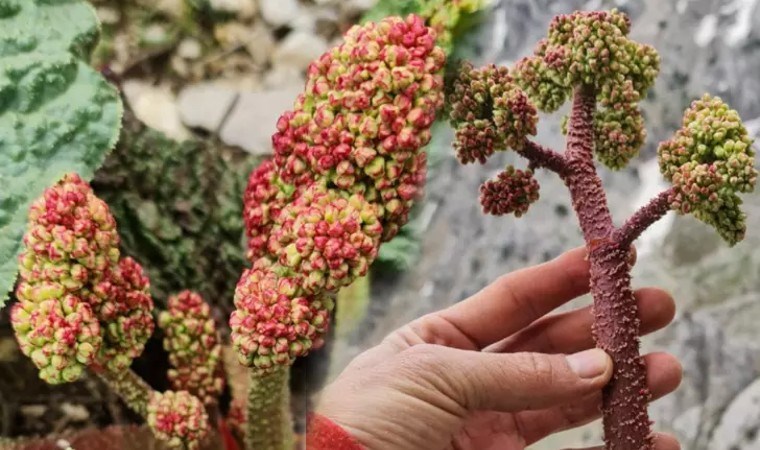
<point x="509" y="304"/>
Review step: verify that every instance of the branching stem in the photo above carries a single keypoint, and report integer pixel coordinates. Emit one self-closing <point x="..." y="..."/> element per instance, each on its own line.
<point x="544" y="158"/>
<point x="642" y="219"/>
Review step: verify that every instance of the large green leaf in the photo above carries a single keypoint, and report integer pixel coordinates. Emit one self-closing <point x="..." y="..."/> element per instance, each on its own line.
<point x="57" y="114"/>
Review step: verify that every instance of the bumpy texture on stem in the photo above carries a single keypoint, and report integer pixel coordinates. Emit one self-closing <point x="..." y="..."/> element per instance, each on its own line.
<point x="192" y="341"/>
<point x="268" y="402"/>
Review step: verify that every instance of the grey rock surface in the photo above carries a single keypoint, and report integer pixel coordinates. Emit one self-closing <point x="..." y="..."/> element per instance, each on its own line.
<point x="706" y="46"/>
<point x="252" y="121"/>
<point x="205" y="105"/>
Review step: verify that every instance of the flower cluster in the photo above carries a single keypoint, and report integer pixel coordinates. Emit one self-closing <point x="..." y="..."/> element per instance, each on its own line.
<point x="124" y="311"/>
<point x="263" y="200"/>
<point x="327" y="238"/>
<point x="489" y="112"/>
<point x="192" y="341"/>
<point x="178" y="418"/>
<point x="348" y="166"/>
<point x="365" y="114"/>
<point x="60" y="335"/>
<point x="274" y="322"/>
<point x="592" y="48"/>
<point x="512" y="192"/>
<point x="78" y="302"/>
<point x="710" y="160"/>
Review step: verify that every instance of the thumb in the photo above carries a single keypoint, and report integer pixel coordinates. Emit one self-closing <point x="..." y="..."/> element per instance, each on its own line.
<point x="514" y="381"/>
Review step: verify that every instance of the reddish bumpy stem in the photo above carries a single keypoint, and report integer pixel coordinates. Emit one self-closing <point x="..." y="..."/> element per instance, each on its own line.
<point x="643" y="218"/>
<point x="616" y="323"/>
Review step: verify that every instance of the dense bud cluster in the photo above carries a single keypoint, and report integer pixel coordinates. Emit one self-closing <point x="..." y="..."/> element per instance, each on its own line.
<point x="365" y="114"/>
<point x="348" y="166"/>
<point x="512" y="192"/>
<point x="178" y="418"/>
<point x="274" y="322"/>
<point x="263" y="200"/>
<point x="327" y="238"/>
<point x="192" y="341"/>
<point x="60" y="335"/>
<point x="79" y="304"/>
<point x="710" y="160"/>
<point x="592" y="48"/>
<point x="489" y="112"/>
<point x="124" y="313"/>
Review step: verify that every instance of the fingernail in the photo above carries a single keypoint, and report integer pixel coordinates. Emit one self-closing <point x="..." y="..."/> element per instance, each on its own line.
<point x="589" y="363"/>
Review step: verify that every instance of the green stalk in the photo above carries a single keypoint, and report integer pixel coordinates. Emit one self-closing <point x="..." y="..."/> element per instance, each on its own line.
<point x="129" y="387"/>
<point x="269" y="425"/>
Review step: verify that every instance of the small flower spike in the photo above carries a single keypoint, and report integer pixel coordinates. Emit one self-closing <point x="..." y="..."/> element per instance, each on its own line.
<point x="512" y="192"/>
<point x="275" y="322"/>
<point x="192" y="341"/>
<point x="710" y="160"/>
<point x="178" y="418"/>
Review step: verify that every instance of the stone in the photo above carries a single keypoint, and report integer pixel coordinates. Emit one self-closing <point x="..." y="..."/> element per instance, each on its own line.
<point x="252" y="121"/>
<point x="279" y="12"/>
<point x="243" y="9"/>
<point x="739" y="428"/>
<point x="284" y="77"/>
<point x="189" y="48"/>
<point x="260" y="44"/>
<point x="156" y="107"/>
<point x="299" y="49"/>
<point x="75" y="412"/>
<point x="205" y="105"/>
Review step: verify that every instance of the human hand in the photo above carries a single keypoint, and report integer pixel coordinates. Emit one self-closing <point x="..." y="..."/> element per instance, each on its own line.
<point x="493" y="371"/>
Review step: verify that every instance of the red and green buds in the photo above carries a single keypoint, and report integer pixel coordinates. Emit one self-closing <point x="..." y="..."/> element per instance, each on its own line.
<point x="328" y="238"/>
<point x="512" y="192"/>
<point x="79" y="304"/>
<point x="192" y="341"/>
<point x="348" y="166"/>
<point x="60" y="335"/>
<point x="489" y="112"/>
<point x="70" y="243"/>
<point x="177" y="418"/>
<point x="125" y="314"/>
<point x="710" y="160"/>
<point x="592" y="48"/>
<point x="275" y="322"/>
<point x="365" y="114"/>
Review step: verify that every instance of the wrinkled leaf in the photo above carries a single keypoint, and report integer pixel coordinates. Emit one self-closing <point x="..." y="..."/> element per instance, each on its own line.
<point x="57" y="114"/>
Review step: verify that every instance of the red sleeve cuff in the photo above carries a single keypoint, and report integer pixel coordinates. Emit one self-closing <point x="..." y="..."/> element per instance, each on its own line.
<point x="324" y="434"/>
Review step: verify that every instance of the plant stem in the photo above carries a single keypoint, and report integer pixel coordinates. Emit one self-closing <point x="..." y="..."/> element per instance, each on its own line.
<point x="616" y="323"/>
<point x="129" y="387"/>
<point x="643" y="218"/>
<point x="269" y="425"/>
<point x="542" y="157"/>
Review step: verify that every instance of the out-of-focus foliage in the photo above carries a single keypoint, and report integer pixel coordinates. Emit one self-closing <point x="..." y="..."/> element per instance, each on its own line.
<point x="179" y="208"/>
<point x="57" y="114"/>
